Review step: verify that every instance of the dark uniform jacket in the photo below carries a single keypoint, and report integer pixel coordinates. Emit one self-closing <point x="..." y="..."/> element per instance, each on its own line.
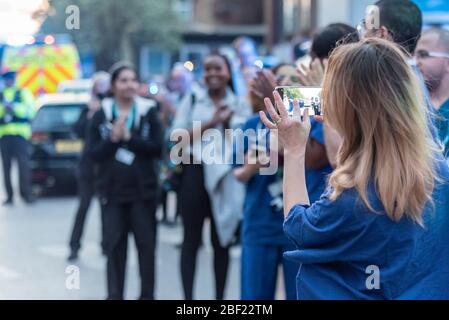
<point x="116" y="180"/>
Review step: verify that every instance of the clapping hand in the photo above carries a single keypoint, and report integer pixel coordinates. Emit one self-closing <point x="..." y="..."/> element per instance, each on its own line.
<point x="118" y="130"/>
<point x="313" y="75"/>
<point x="264" y="83"/>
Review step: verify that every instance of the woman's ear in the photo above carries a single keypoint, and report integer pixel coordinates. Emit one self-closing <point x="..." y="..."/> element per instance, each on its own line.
<point x="384" y="33"/>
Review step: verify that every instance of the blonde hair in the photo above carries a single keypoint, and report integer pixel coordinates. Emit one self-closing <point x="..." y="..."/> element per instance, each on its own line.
<point x="372" y="97"/>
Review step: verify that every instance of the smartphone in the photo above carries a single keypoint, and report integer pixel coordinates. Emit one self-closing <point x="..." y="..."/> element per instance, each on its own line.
<point x="308" y="97"/>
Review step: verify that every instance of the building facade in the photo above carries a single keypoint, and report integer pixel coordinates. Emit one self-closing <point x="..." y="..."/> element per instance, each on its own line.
<point x="273" y="24"/>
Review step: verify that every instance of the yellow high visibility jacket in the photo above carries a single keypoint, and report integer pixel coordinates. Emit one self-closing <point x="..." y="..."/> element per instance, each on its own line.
<point x="16" y="112"/>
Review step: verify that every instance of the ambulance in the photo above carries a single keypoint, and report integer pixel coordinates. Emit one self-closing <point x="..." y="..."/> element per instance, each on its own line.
<point x="42" y="63"/>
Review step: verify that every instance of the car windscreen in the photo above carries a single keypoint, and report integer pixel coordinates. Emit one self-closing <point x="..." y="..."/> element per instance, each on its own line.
<point x="57" y="117"/>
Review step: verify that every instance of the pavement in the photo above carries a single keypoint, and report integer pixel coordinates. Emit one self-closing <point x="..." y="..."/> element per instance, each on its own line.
<point x="34" y="248"/>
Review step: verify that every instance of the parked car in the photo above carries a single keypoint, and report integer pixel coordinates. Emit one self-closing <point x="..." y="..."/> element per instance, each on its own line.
<point x="55" y="145"/>
<point x="75" y="86"/>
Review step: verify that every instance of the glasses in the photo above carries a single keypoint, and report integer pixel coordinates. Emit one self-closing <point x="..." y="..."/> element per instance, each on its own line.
<point x="424" y="54"/>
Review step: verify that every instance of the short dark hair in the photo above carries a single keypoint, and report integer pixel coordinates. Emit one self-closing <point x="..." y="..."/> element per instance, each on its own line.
<point x="403" y="19"/>
<point x="118" y="68"/>
<point x="330" y="37"/>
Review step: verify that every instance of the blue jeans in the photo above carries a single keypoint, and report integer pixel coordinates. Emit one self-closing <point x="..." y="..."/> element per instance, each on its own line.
<point x="260" y="268"/>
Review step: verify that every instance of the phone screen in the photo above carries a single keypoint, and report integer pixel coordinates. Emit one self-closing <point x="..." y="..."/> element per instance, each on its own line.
<point x="308" y="97"/>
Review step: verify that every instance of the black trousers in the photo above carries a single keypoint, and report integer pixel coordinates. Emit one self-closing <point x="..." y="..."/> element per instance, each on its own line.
<point x="86" y="192"/>
<point x="195" y="208"/>
<point x="163" y="200"/>
<point x="119" y="220"/>
<point x="16" y="147"/>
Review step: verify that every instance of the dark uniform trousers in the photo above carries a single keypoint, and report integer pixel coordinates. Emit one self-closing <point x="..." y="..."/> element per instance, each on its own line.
<point x="16" y="147"/>
<point x="139" y="218"/>
<point x="86" y="191"/>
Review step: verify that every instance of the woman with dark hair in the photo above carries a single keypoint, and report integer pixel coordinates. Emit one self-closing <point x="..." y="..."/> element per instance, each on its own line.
<point x="324" y="42"/>
<point x="125" y="139"/>
<point x="330" y="37"/>
<point x="208" y="188"/>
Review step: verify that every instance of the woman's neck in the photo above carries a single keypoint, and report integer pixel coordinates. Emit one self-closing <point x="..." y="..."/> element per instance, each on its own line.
<point x="124" y="104"/>
<point x="217" y="94"/>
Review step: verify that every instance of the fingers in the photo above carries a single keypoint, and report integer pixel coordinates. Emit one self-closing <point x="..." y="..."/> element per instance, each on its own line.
<point x="296" y="108"/>
<point x="255" y="89"/>
<point x="271" y="77"/>
<point x="306" y="117"/>
<point x="256" y="86"/>
<point x="306" y="114"/>
<point x="262" y="87"/>
<point x="319" y="119"/>
<point x="270" y="108"/>
<point x="122" y="117"/>
<point x="280" y="106"/>
<point x="302" y="72"/>
<point x="258" y="94"/>
<point x="119" y="125"/>
<point x="265" y="79"/>
<point x="303" y="68"/>
<point x="270" y="125"/>
<point x="303" y="81"/>
<point x="315" y="64"/>
<point x="227" y="115"/>
<point x="322" y="66"/>
<point x="314" y="73"/>
<point x="284" y="82"/>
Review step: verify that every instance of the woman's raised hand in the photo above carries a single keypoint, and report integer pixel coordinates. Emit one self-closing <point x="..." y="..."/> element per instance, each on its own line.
<point x="312" y="75"/>
<point x="293" y="130"/>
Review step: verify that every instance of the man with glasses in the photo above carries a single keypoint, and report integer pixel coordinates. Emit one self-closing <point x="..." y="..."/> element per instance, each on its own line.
<point x="432" y="57"/>
<point x="399" y="21"/>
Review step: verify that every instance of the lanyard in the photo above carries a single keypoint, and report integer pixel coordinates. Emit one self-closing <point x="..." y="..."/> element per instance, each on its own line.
<point x="129" y="119"/>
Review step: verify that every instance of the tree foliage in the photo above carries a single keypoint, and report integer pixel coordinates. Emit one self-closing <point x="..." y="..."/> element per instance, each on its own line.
<point x="115" y="29"/>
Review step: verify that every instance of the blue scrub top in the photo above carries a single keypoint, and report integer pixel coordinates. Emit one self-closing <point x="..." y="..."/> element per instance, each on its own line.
<point x="431" y="115"/>
<point x="316" y="180"/>
<point x="262" y="222"/>
<point x="339" y="241"/>
<point x="442" y="124"/>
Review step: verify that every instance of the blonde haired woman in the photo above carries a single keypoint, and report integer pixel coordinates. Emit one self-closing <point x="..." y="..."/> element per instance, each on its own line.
<point x="381" y="230"/>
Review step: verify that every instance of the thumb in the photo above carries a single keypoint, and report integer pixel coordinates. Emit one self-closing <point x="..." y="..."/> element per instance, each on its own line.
<point x="319" y="119"/>
<point x="306" y="117"/>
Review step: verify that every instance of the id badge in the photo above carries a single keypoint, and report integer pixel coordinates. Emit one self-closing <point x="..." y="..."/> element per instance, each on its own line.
<point x="125" y="156"/>
<point x="275" y="189"/>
